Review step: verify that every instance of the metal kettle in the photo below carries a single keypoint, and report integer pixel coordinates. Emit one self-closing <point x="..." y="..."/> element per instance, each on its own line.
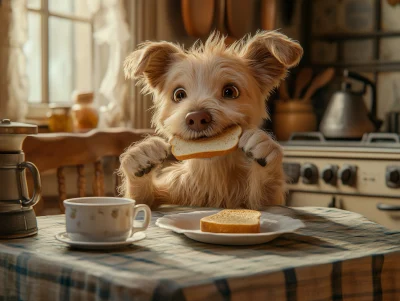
<point x="347" y="116"/>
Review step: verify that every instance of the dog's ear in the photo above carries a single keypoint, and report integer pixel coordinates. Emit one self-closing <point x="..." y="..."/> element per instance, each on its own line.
<point x="269" y="55"/>
<point x="150" y="62"/>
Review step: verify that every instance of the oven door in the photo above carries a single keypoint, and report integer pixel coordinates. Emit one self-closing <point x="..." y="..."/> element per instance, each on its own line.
<point x="384" y="211"/>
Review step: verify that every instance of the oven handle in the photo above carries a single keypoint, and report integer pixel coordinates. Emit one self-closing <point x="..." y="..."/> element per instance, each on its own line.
<point x="386" y="207"/>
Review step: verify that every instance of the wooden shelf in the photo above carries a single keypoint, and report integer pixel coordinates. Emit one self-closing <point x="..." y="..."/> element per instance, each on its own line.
<point x="332" y="37"/>
<point x="371" y="66"/>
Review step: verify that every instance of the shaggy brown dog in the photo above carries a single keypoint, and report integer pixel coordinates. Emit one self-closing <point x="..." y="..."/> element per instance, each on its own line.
<point x="199" y="93"/>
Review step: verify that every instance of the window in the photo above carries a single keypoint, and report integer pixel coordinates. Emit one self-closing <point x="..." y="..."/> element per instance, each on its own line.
<point x="59" y="50"/>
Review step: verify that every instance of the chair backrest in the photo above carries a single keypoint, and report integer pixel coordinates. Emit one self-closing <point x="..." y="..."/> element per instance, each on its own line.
<point x="58" y="150"/>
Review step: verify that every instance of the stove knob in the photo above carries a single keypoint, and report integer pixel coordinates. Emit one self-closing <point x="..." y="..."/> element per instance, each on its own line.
<point x="309" y="173"/>
<point x="347" y="175"/>
<point x="328" y="174"/>
<point x="393" y="177"/>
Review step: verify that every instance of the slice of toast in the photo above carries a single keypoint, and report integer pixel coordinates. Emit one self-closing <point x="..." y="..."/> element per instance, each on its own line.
<point x="206" y="147"/>
<point x="232" y="221"/>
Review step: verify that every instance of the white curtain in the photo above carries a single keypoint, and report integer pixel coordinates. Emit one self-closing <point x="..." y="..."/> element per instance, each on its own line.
<point x="111" y="35"/>
<point x="13" y="77"/>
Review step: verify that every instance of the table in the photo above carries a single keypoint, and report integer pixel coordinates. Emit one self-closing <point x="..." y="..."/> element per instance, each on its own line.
<point x="338" y="256"/>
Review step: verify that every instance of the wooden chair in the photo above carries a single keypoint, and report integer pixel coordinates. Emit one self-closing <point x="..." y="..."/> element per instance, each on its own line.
<point x="59" y="150"/>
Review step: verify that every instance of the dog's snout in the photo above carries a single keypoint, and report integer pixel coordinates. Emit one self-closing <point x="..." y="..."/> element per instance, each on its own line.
<point x="198" y="121"/>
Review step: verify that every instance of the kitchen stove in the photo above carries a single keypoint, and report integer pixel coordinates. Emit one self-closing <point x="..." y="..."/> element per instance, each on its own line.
<point x="357" y="175"/>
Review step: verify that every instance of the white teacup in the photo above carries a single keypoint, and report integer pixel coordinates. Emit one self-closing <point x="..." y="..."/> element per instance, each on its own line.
<point x="103" y="219"/>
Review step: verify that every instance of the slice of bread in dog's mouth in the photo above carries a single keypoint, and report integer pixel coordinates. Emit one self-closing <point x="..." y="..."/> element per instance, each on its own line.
<point x="232" y="221"/>
<point x="218" y="145"/>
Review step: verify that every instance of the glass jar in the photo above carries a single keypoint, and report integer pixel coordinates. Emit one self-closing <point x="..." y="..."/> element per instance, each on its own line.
<point x="59" y="118"/>
<point x="85" y="115"/>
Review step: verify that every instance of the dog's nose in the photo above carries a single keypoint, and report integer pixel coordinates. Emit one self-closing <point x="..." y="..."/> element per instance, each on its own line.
<point x="198" y="121"/>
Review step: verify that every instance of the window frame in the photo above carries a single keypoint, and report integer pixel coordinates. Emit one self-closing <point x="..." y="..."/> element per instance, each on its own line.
<point x="40" y="109"/>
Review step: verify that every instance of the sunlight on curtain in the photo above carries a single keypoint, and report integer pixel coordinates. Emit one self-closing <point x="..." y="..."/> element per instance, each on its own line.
<point x="13" y="79"/>
<point x="111" y="36"/>
<point x="33" y="51"/>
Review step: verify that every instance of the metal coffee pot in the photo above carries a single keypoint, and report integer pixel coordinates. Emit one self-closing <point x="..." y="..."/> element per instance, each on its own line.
<point x="17" y="217"/>
<point x="347" y="116"/>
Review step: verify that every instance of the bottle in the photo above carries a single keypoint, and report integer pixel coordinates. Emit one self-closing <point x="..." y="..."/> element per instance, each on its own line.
<point x="85" y="115"/>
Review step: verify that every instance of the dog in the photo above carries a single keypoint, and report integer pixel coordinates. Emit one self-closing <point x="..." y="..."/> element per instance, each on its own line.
<point x="200" y="92"/>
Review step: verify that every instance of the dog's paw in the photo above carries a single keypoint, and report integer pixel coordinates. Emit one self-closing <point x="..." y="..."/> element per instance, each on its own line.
<point x="259" y="146"/>
<point x="141" y="158"/>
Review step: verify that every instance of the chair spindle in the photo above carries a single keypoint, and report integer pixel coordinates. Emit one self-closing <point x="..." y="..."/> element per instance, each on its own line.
<point x="98" y="183"/>
<point x="81" y="180"/>
<point x="62" y="191"/>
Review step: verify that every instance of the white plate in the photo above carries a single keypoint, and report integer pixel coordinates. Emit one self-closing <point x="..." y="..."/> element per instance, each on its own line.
<point x="271" y="226"/>
<point x="63" y="237"/>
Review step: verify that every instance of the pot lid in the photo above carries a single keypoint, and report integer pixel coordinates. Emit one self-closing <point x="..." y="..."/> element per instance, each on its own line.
<point x="13" y="128"/>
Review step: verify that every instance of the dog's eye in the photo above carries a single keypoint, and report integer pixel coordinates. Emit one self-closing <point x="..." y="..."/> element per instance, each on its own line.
<point x="179" y="94"/>
<point x="230" y="92"/>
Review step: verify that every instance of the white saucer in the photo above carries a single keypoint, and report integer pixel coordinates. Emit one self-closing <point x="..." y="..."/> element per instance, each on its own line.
<point x="271" y="226"/>
<point x="63" y="237"/>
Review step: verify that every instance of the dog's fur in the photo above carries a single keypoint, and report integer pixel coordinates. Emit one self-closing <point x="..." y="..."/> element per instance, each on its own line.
<point x="255" y="65"/>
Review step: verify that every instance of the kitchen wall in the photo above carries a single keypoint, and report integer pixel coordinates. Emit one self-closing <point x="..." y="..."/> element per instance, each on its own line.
<point x="388" y="91"/>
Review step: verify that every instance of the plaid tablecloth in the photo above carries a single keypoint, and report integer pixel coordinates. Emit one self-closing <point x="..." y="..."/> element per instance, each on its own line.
<point x="338" y="256"/>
